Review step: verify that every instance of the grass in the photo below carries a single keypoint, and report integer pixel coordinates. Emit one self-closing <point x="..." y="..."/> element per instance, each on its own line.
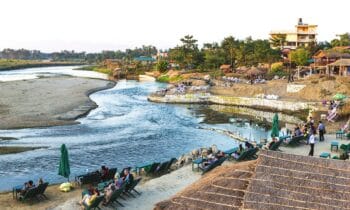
<point x="101" y="69"/>
<point x="9" y="64"/>
<point x="167" y="79"/>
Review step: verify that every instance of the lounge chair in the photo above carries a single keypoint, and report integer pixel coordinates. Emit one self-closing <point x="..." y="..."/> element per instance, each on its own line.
<point x="152" y="169"/>
<point x="132" y="187"/>
<point x="95" y="204"/>
<point x="276" y="145"/>
<point x="31" y="193"/>
<point x="41" y="190"/>
<point x="248" y="154"/>
<point x="90" y="178"/>
<point x="115" y="195"/>
<point x="161" y="169"/>
<point x="171" y="162"/>
<point x="231" y="151"/>
<point x="213" y="165"/>
<point x="111" y="174"/>
<point x="296" y="140"/>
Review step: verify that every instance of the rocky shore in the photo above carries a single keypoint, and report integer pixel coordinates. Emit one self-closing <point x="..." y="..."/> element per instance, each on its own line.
<point x="257" y="103"/>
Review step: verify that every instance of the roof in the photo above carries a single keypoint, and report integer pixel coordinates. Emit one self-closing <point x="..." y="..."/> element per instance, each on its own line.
<point x="275" y="181"/>
<point x="144" y="58"/>
<point x="341" y="62"/>
<point x="225" y="66"/>
<point x="333" y="53"/>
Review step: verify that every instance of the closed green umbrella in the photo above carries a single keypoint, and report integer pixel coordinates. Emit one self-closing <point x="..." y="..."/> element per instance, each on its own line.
<point x="339" y="96"/>
<point x="64" y="169"/>
<point x="275" y="126"/>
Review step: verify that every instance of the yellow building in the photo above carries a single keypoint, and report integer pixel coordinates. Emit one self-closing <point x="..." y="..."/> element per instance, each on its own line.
<point x="302" y="36"/>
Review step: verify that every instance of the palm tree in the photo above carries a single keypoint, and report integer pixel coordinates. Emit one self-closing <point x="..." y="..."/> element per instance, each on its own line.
<point x="278" y="41"/>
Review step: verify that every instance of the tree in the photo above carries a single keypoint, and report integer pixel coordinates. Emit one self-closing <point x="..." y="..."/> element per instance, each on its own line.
<point x="162" y="65"/>
<point x="300" y="56"/>
<point x="278" y="41"/>
<point x="186" y="55"/>
<point x="213" y="55"/>
<point x="344" y="40"/>
<point x="230" y="46"/>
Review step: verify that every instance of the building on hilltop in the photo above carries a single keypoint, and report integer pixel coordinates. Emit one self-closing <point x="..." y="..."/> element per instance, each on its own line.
<point x="303" y="35"/>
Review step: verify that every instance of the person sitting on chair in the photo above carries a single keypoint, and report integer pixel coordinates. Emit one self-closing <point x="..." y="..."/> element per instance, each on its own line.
<point x="104" y="172"/>
<point x="128" y="178"/>
<point x="89" y="199"/>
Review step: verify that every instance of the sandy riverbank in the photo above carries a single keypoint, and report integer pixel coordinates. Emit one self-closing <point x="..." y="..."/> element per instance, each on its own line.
<point x="47" y="101"/>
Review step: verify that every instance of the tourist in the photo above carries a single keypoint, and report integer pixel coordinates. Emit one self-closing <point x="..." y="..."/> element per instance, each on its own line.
<point x="27" y="186"/>
<point x="311" y="121"/>
<point x="31" y="184"/>
<point x="89" y="199"/>
<point x="312" y="143"/>
<point x="128" y="178"/>
<point x="248" y="145"/>
<point x="104" y="173"/>
<point x="272" y="142"/>
<point x="237" y="153"/>
<point x="108" y="193"/>
<point x="40" y="181"/>
<point x="220" y="154"/>
<point x="321" y="130"/>
<point x="297" y="131"/>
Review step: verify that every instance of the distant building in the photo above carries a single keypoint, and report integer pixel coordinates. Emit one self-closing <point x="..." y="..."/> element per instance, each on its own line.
<point x="303" y="35"/>
<point x="145" y="59"/>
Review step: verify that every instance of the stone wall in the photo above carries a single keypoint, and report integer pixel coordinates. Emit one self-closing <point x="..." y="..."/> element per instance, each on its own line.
<point x="278" y="105"/>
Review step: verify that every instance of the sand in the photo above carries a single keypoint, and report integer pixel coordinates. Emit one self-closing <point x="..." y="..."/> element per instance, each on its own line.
<point x="324" y="146"/>
<point x="47" y="101"/>
<point x="152" y="191"/>
<point x="55" y="198"/>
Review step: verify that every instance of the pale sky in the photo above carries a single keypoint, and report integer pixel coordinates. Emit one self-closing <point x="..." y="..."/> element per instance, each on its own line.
<point x="95" y="25"/>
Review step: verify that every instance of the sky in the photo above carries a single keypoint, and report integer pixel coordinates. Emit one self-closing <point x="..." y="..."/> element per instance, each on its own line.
<point x="95" y="25"/>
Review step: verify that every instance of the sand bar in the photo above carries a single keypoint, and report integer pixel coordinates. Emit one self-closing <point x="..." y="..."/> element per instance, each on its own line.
<point x="47" y="101"/>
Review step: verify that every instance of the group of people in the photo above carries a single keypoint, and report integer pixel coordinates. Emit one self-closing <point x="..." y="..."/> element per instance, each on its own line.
<point x="125" y="177"/>
<point x="240" y="150"/>
<point x="212" y="158"/>
<point x="29" y="185"/>
<point x="310" y="131"/>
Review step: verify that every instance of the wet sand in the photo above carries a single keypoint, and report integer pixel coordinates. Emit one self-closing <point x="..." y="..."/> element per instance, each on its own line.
<point x="47" y="101"/>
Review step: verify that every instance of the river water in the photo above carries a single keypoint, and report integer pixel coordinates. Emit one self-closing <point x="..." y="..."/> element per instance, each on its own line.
<point x="125" y="130"/>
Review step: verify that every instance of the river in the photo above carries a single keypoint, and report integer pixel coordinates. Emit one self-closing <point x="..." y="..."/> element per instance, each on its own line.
<point x="125" y="130"/>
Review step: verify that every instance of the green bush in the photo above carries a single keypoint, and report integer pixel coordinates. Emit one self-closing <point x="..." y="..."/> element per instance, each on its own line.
<point x="162" y="66"/>
<point x="163" y="78"/>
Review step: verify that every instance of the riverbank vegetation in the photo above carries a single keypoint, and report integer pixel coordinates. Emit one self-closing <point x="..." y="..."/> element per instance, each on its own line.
<point x="8" y="64"/>
<point x="97" y="68"/>
<point x="187" y="56"/>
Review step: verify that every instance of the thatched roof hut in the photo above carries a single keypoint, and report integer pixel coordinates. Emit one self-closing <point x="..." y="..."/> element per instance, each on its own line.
<point x="242" y="69"/>
<point x="341" y="62"/>
<point x="254" y="71"/>
<point x="276" y="181"/>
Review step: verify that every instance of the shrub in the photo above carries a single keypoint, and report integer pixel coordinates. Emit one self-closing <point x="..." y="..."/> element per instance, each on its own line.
<point x="162" y="66"/>
<point x="163" y="78"/>
<point x="276" y="67"/>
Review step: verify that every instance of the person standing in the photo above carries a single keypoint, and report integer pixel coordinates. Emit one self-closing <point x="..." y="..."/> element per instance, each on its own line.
<point x="321" y="130"/>
<point x="312" y="143"/>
